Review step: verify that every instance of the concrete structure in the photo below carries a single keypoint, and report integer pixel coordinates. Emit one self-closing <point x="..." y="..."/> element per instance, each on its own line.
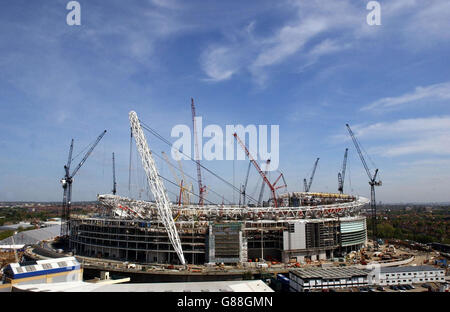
<point x="314" y="278"/>
<point x="387" y="276"/>
<point x="306" y="226"/>
<point x="230" y="286"/>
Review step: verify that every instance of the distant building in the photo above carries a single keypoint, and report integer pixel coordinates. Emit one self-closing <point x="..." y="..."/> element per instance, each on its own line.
<point x="308" y="279"/>
<point x="408" y="275"/>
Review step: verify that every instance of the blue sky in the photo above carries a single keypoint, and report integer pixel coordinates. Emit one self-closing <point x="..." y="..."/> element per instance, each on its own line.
<point x="308" y="66"/>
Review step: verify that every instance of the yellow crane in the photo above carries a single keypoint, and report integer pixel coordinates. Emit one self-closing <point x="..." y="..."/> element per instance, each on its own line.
<point x="184" y="190"/>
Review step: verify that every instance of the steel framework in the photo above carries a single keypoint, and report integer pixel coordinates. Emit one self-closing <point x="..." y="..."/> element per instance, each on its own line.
<point x="195" y="213"/>
<point x="157" y="187"/>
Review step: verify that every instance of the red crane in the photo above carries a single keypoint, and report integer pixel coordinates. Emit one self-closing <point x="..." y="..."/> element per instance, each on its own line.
<point x="266" y="180"/>
<point x="201" y="188"/>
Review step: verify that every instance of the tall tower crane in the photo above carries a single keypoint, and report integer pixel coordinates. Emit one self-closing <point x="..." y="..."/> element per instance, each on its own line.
<point x="341" y="175"/>
<point x="67" y="185"/>
<point x="372" y="182"/>
<point x="201" y="188"/>
<point x="273" y="187"/>
<point x="308" y="185"/>
<point x="114" y="190"/>
<point x="156" y="185"/>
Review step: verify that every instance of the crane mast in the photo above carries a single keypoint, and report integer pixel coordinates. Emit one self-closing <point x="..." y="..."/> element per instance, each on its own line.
<point x="244" y="188"/>
<point x="341" y="175"/>
<point x="114" y="190"/>
<point x="156" y="185"/>
<point x="201" y="188"/>
<point x="372" y="182"/>
<point x="67" y="185"/>
<point x="261" y="193"/>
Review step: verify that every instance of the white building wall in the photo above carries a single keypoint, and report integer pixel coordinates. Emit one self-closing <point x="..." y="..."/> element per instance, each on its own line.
<point x="403" y="278"/>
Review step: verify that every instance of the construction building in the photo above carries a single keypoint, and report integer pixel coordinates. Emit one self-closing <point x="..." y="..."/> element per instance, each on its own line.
<point x="315" y="278"/>
<point x="59" y="270"/>
<point x="407" y="275"/>
<point x="224" y="234"/>
<point x="298" y="226"/>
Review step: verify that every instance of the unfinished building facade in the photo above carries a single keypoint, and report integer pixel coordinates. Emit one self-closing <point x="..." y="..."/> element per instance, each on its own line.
<point x="224" y="234"/>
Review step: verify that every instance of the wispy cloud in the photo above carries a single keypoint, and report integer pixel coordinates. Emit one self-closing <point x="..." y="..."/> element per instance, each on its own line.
<point x="440" y="91"/>
<point x="429" y="136"/>
<point x="322" y="28"/>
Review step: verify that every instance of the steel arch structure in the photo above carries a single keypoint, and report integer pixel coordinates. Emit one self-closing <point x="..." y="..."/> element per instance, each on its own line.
<point x="156" y="185"/>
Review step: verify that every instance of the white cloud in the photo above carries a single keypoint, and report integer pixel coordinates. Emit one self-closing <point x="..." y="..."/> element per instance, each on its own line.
<point x="428" y="136"/>
<point x="440" y="91"/>
<point x="342" y="24"/>
<point x="218" y="63"/>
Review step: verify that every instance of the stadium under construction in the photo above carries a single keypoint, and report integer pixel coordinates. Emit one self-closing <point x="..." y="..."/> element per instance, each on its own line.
<point x="324" y="226"/>
<point x="298" y="226"/>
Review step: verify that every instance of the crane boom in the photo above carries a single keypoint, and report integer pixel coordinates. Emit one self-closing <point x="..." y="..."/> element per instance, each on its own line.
<point x="358" y="149"/>
<point x="308" y="186"/>
<point x="341" y="175"/>
<point x="69" y="160"/>
<point x="88" y="153"/>
<point x="272" y="189"/>
<point x="156" y="185"/>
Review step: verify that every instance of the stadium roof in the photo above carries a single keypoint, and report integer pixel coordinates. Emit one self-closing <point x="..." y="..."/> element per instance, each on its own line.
<point x="33" y="237"/>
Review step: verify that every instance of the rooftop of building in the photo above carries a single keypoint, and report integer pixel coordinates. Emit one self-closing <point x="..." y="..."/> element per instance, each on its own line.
<point x="40" y="267"/>
<point x="328" y="273"/>
<point x="405" y="269"/>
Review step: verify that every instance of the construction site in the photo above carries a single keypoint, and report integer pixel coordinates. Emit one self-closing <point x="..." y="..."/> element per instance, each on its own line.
<point x="288" y="227"/>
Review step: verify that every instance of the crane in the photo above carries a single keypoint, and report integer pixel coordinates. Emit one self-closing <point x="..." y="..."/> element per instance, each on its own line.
<point x="244" y="187"/>
<point x="272" y="187"/>
<point x="261" y="193"/>
<point x="114" y="190"/>
<point x="183" y="189"/>
<point x="308" y="185"/>
<point x="341" y="175"/>
<point x="372" y="182"/>
<point x="201" y="188"/>
<point x="67" y="185"/>
<point x="156" y="185"/>
<point x="186" y="190"/>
